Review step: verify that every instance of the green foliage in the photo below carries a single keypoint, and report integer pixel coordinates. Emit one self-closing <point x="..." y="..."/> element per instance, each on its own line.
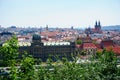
<point x="108" y="61"/>
<point x="9" y="52"/>
<point x="83" y="52"/>
<point x="13" y="72"/>
<point x="26" y="70"/>
<point x="78" y="41"/>
<point x="103" y="67"/>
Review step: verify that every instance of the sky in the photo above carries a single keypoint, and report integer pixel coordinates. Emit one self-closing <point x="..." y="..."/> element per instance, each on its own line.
<point x="59" y="13"/>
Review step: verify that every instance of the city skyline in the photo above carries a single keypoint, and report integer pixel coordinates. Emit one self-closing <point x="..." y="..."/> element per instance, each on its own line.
<point x="59" y="13"/>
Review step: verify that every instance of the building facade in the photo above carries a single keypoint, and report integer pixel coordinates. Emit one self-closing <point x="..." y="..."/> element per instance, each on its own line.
<point x="43" y="51"/>
<point x="87" y="47"/>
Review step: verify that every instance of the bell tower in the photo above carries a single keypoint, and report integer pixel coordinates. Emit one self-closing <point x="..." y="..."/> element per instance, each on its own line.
<point x="96" y="25"/>
<point x="99" y="25"/>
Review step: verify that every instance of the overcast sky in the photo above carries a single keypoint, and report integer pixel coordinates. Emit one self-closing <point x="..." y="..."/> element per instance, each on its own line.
<point x="59" y="13"/>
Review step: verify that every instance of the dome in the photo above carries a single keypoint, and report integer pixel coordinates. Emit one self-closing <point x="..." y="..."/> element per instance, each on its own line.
<point x="36" y="37"/>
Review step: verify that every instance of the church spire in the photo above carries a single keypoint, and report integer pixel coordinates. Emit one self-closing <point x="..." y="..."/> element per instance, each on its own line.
<point x="99" y="23"/>
<point x="96" y="25"/>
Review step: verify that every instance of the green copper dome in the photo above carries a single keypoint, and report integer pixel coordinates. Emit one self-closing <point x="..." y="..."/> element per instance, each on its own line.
<point x="36" y="37"/>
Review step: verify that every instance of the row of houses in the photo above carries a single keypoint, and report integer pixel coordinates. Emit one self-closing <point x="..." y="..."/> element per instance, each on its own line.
<point x="91" y="48"/>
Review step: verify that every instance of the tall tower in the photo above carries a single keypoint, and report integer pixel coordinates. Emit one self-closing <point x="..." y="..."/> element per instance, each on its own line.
<point x="96" y="25"/>
<point x="47" y="27"/>
<point x="99" y="25"/>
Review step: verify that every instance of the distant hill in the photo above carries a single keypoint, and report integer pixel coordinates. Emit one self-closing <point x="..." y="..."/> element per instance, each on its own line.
<point x="114" y="27"/>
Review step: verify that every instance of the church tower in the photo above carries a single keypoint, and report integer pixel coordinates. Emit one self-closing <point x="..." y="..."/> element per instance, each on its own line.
<point x="99" y="25"/>
<point x="96" y="25"/>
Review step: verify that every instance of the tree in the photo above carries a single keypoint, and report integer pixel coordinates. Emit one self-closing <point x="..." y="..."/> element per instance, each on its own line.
<point x="78" y="41"/>
<point x="26" y="70"/>
<point x="9" y="54"/>
<point x="107" y="65"/>
<point x="9" y="51"/>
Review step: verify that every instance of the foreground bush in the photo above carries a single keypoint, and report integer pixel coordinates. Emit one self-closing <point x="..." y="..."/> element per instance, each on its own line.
<point x="103" y="67"/>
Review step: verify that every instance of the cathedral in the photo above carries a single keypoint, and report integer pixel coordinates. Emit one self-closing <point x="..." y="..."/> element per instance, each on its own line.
<point x="96" y="29"/>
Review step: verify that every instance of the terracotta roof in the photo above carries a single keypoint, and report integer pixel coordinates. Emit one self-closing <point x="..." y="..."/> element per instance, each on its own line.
<point x="116" y="46"/>
<point x="88" y="45"/>
<point x="49" y="33"/>
<point x="100" y="50"/>
<point x="98" y="46"/>
<point x="108" y="43"/>
<point x="109" y="48"/>
<point x="116" y="50"/>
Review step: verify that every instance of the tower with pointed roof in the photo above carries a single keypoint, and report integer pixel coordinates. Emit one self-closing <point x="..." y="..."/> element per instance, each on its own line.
<point x="98" y="27"/>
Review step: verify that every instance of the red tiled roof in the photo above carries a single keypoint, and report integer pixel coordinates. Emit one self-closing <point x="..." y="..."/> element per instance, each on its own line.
<point x="116" y="46"/>
<point x="88" y="45"/>
<point x="116" y="50"/>
<point x="98" y="46"/>
<point x="107" y="43"/>
<point x="109" y="48"/>
<point x="49" y="33"/>
<point x="100" y="50"/>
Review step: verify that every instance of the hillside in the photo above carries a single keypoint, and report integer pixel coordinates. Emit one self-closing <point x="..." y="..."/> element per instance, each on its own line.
<point x="114" y="27"/>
